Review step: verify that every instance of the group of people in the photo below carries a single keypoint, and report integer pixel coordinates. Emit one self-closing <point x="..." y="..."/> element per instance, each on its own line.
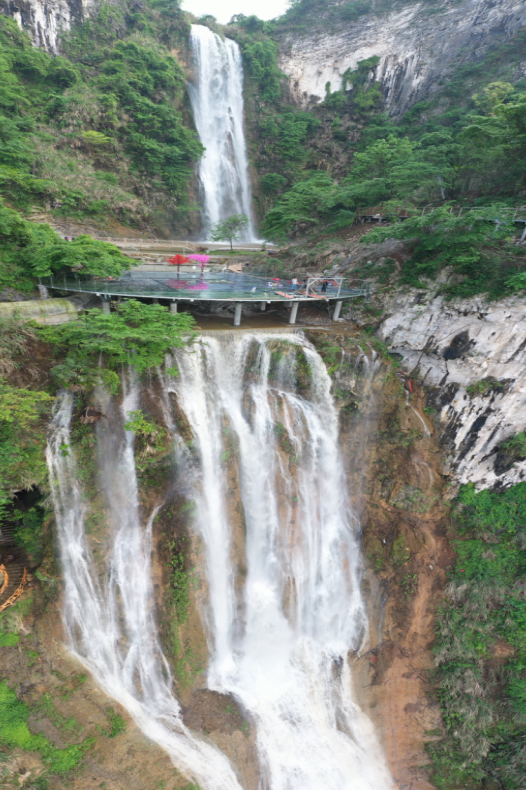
<point x="312" y="287"/>
<point x="301" y="287"/>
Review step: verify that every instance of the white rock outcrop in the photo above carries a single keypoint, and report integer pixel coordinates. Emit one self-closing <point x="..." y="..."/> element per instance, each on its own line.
<point x="419" y="46"/>
<point x="44" y="20"/>
<point x="452" y="344"/>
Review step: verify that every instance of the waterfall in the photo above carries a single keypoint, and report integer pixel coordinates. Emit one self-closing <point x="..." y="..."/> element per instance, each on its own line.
<point x="281" y="640"/>
<point x="107" y="613"/>
<point x="279" y="630"/>
<point x="216" y="95"/>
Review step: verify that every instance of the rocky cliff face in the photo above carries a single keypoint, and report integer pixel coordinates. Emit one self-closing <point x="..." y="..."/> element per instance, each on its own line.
<point x="419" y="47"/>
<point x="44" y="19"/>
<point x="457" y="344"/>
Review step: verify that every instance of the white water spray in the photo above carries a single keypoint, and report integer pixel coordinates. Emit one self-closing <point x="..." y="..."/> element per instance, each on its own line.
<point x="280" y="637"/>
<point x="216" y="95"/>
<point x="280" y="646"/>
<point x="109" y="622"/>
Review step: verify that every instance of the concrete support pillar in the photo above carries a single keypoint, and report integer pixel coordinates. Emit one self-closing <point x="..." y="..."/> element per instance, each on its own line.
<point x="293" y="312"/>
<point x="337" y="310"/>
<point x="106" y="306"/>
<point x="173" y="307"/>
<point x="262" y="306"/>
<point x="155" y="301"/>
<point x="237" y="315"/>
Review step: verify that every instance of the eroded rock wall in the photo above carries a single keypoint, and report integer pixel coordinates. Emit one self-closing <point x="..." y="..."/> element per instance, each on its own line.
<point x="45" y="19"/>
<point x="418" y="46"/>
<point x="452" y="345"/>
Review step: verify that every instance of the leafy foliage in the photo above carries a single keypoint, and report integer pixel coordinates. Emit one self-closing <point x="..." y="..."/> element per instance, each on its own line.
<point x="116" y="723"/>
<point x="138" y="424"/>
<point x="29" y="250"/>
<point x="483" y="386"/>
<point x="471" y="153"/>
<point x="118" y="108"/>
<point x="483" y="700"/>
<point x="15" y="336"/>
<point x="230" y="228"/>
<point x="441" y="238"/>
<point x="516" y="446"/>
<point x="28" y="531"/>
<point x="15" y="732"/>
<point x="179" y="583"/>
<point x="135" y="334"/>
<point x="303" y="204"/>
<point x="22" y="439"/>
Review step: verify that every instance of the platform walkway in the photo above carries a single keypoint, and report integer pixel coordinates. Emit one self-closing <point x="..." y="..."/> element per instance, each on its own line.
<point x="214" y="287"/>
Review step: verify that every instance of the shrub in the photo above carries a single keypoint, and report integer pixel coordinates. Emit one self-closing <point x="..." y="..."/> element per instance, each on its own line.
<point x="135" y="334"/>
<point x="14" y="732"/>
<point x="483" y="386"/>
<point x="482" y="699"/>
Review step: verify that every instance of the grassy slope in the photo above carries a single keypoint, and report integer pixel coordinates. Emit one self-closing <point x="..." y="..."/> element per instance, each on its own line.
<point x="101" y="136"/>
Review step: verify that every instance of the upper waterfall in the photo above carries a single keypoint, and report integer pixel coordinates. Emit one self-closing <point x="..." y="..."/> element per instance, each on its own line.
<point x="216" y="95"/>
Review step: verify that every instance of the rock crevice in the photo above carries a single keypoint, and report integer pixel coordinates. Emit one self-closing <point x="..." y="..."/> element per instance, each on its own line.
<point x="472" y="355"/>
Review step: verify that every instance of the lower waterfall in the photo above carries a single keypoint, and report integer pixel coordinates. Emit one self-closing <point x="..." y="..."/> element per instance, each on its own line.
<point x="280" y="631"/>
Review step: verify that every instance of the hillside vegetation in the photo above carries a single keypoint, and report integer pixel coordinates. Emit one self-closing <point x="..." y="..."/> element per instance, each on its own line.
<point x="465" y="147"/>
<point x="102" y="130"/>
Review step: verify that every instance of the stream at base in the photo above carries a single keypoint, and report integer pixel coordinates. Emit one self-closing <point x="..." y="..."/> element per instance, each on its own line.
<point x="280" y="631"/>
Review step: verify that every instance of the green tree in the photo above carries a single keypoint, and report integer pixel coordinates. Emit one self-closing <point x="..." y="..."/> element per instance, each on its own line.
<point x="443" y="238"/>
<point x="135" y="334"/>
<point x="85" y="255"/>
<point x="230" y="228"/>
<point x="23" y="416"/>
<point x="300" y="205"/>
<point x="29" y="250"/>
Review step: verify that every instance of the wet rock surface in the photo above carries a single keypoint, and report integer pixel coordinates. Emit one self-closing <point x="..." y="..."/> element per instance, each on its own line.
<point x="45" y="19"/>
<point x="209" y="710"/>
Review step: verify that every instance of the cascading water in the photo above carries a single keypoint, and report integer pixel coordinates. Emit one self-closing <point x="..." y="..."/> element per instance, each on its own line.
<point x="281" y="643"/>
<point x="108" y="622"/>
<point x="216" y="95"/>
<point x="280" y="635"/>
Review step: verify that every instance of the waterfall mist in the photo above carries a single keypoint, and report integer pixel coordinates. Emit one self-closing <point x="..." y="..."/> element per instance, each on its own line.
<point x="280" y="631"/>
<point x="216" y="95"/>
<point x="280" y="639"/>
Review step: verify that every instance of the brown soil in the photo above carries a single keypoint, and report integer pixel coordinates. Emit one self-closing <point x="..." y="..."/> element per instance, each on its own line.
<point x="407" y="554"/>
<point x="40" y="665"/>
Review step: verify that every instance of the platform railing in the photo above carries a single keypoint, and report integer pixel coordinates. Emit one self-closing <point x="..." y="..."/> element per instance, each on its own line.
<point x="242" y="287"/>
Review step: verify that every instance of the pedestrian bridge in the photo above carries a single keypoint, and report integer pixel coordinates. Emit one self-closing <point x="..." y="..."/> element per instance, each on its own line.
<point x="169" y="287"/>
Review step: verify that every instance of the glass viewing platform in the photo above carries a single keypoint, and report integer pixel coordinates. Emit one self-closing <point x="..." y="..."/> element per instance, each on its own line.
<point x="212" y="286"/>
